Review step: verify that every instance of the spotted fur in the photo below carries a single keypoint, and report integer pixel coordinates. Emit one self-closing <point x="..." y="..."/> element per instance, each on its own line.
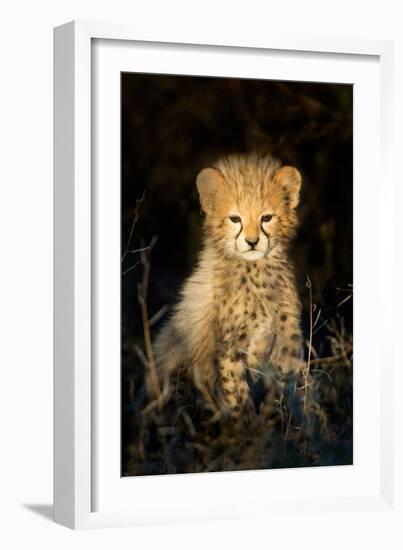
<point x="238" y="317"/>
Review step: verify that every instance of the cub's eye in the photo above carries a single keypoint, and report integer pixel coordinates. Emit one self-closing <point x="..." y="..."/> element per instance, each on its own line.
<point x="266" y="218"/>
<point x="235" y="219"/>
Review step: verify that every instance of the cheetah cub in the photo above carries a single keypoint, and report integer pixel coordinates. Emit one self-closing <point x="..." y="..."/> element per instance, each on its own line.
<point x="238" y="317"/>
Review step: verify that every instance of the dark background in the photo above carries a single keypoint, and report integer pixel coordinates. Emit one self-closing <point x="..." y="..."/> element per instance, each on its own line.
<point x="172" y="127"/>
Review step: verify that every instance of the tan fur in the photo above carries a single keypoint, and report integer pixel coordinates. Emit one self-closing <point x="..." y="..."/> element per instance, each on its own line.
<point x="239" y="315"/>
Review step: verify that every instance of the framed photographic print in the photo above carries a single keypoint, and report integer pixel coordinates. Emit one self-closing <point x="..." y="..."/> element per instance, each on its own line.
<point x="220" y="243"/>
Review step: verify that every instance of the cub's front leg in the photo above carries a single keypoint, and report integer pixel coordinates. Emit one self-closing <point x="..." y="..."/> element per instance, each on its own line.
<point x="287" y="348"/>
<point x="234" y="393"/>
<point x="234" y="386"/>
<point x="276" y="345"/>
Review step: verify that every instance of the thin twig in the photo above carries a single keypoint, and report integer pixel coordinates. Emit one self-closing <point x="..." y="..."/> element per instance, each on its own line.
<point x="158" y="402"/>
<point x="320" y="326"/>
<point x="317" y="317"/>
<point x="323" y="372"/>
<point x="142" y="298"/>
<point x="157" y="316"/>
<point x="290" y="417"/>
<point x="309" y="285"/>
<point x="329" y="360"/>
<point x="189" y="423"/>
<point x="346" y="299"/>
<point x="130" y="268"/>
<point x="141" y="356"/>
<point x="136" y="250"/>
<point x="135" y="219"/>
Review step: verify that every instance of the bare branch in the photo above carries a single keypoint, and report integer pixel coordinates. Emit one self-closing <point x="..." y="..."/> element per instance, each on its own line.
<point x="130" y="268"/>
<point x="142" y="292"/>
<point x="136" y="215"/>
<point x="157" y="316"/>
<point x="141" y="356"/>
<point x="309" y="286"/>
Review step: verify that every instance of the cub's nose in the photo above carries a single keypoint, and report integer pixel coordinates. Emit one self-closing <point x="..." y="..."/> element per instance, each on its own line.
<point x="252" y="242"/>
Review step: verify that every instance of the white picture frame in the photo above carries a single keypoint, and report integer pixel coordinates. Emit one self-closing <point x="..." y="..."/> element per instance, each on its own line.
<point x="79" y="426"/>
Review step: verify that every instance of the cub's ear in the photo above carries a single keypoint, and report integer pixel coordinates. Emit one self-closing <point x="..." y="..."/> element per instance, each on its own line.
<point x="290" y="180"/>
<point x="209" y="182"/>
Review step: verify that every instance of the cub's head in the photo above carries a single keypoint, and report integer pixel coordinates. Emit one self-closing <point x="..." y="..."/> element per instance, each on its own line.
<point x="250" y="203"/>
